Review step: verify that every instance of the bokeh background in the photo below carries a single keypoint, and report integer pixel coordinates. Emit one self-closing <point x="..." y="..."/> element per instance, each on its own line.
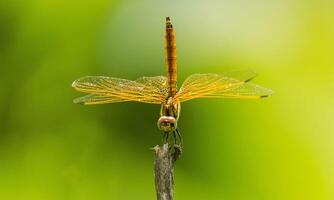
<point x="276" y="148"/>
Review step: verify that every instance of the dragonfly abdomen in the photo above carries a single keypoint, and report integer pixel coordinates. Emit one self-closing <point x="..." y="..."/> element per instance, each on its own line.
<point x="170" y="57"/>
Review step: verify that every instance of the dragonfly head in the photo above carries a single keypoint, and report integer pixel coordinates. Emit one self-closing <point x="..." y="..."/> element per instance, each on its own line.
<point x="167" y="123"/>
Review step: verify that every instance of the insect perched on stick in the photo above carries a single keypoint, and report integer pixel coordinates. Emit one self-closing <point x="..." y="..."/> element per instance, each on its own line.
<point x="163" y="90"/>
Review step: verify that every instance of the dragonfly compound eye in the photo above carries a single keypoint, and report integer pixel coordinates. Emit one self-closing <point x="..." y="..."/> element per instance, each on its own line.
<point x="167" y="123"/>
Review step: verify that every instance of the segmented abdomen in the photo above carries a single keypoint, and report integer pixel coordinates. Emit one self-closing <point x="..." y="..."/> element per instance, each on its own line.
<point x="170" y="57"/>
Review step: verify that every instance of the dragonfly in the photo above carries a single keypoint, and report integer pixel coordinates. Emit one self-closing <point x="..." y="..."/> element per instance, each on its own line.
<point x="163" y="89"/>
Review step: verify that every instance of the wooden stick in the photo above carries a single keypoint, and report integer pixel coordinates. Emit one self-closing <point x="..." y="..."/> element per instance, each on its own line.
<point x="165" y="157"/>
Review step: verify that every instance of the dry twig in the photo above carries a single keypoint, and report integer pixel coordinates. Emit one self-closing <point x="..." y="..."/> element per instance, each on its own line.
<point x="165" y="157"/>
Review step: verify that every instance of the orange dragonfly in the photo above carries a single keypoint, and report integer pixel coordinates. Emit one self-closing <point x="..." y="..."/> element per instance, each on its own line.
<point x="163" y="90"/>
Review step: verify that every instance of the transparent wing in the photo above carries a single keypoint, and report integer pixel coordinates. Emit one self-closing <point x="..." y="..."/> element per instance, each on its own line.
<point x="92" y="99"/>
<point x="220" y="86"/>
<point x="241" y="75"/>
<point x="104" y="89"/>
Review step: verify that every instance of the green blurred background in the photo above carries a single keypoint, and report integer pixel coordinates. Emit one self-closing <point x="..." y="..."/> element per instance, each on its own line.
<point x="276" y="148"/>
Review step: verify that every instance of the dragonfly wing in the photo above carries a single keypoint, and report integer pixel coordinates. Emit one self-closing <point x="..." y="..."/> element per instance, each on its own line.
<point x="92" y="99"/>
<point x="159" y="82"/>
<point x="104" y="89"/>
<point x="241" y="75"/>
<point x="220" y="86"/>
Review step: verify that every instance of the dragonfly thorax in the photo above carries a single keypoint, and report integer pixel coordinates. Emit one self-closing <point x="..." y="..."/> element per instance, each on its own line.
<point x="169" y="115"/>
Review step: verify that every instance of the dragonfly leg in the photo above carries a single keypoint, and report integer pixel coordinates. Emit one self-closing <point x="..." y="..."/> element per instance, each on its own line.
<point x="174" y="135"/>
<point x="179" y="136"/>
<point x="166" y="135"/>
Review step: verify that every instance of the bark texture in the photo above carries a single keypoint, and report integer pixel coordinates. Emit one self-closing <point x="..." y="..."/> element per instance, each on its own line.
<point x="165" y="157"/>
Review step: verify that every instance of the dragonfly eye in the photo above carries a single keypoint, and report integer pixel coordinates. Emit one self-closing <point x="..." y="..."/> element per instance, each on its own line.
<point x="167" y="123"/>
